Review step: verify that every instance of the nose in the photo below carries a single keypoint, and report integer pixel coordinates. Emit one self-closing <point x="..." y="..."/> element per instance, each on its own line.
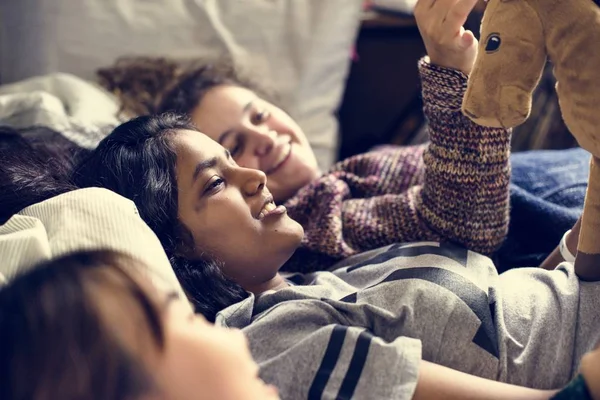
<point x="262" y="139"/>
<point x="253" y="181"/>
<point x="515" y="106"/>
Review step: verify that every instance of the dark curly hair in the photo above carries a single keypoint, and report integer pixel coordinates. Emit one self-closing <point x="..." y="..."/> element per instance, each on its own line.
<point x="153" y="85"/>
<point x="35" y="164"/>
<point x="137" y="161"/>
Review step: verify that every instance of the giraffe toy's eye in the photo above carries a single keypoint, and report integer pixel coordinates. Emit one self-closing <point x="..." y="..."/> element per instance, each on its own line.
<point x="493" y="43"/>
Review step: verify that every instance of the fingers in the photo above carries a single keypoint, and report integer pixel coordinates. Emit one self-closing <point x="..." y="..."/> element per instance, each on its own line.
<point x="441" y="9"/>
<point x="467" y="39"/>
<point x="431" y="16"/>
<point x="458" y="13"/>
<point x="423" y="5"/>
<point x="447" y="43"/>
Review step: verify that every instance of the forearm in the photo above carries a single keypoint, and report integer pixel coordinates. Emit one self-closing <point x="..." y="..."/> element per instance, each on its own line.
<point x="465" y="195"/>
<point x="456" y="190"/>
<point x="556" y="257"/>
<point x="552" y="260"/>
<point x="438" y="382"/>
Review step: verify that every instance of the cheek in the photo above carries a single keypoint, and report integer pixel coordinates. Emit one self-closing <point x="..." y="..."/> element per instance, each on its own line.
<point x="283" y="123"/>
<point x="197" y="369"/>
<point x="225" y="232"/>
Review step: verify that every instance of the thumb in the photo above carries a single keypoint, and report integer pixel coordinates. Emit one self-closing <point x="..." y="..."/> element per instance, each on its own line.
<point x="467" y="39"/>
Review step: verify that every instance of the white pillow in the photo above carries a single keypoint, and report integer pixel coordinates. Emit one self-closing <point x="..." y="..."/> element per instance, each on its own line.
<point x="301" y="47"/>
<point x="81" y="111"/>
<point x="85" y="219"/>
<point x="81" y="101"/>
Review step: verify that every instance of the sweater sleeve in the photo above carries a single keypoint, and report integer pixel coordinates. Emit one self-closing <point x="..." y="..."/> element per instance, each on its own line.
<point x="455" y="189"/>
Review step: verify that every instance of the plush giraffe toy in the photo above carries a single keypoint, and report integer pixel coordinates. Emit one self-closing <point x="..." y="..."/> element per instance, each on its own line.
<point x="516" y="38"/>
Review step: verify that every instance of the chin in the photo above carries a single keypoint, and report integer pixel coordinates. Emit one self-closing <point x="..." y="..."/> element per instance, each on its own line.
<point x="305" y="173"/>
<point x="301" y="171"/>
<point x="296" y="230"/>
<point x="290" y="239"/>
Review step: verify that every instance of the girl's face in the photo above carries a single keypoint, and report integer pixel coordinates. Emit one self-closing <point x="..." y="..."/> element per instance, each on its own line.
<point x="201" y="361"/>
<point x="230" y="212"/>
<point x="259" y="136"/>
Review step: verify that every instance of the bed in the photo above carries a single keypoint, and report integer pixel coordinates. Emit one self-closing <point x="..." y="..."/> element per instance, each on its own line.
<point x="302" y="48"/>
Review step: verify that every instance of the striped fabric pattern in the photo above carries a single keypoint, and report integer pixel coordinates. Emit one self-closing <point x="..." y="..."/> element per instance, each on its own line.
<point x="85" y="219"/>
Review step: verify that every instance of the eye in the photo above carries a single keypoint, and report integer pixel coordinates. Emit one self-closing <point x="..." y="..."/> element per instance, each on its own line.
<point x="260" y="117"/>
<point x="236" y="147"/>
<point x="231" y="159"/>
<point x="214" y="185"/>
<point x="493" y="43"/>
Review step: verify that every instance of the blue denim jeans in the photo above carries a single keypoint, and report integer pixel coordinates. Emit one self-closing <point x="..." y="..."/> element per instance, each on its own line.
<point x="546" y="195"/>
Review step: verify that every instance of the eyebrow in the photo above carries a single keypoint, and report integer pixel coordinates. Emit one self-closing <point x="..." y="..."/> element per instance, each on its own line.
<point x="230" y="131"/>
<point x="203" y="165"/>
<point x="206" y="164"/>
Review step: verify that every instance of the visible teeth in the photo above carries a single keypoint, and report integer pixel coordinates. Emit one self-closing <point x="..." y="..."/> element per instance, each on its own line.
<point x="282" y="156"/>
<point x="266" y="209"/>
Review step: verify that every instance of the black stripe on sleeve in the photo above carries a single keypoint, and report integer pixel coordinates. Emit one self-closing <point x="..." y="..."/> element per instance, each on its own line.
<point x="359" y="358"/>
<point x="330" y="359"/>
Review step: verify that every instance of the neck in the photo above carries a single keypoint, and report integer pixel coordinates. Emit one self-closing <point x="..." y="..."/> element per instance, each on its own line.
<point x="275" y="283"/>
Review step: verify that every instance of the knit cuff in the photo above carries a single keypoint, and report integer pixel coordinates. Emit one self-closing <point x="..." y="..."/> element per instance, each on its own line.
<point x="443" y="88"/>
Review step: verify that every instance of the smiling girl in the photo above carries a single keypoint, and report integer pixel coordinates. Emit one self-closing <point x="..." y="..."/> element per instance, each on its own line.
<point x="384" y="315"/>
<point x="421" y="320"/>
<point x="87" y="326"/>
<point x="375" y="199"/>
<point x="406" y="321"/>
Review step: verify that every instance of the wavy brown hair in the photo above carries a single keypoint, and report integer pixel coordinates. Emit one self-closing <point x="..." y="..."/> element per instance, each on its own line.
<point x="154" y="85"/>
<point x="62" y="339"/>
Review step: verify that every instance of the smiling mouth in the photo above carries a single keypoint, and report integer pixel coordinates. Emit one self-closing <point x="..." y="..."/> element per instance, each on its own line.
<point x="270" y="208"/>
<point x="281" y="159"/>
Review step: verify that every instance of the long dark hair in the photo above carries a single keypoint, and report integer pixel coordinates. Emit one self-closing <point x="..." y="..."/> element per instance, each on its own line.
<point x="58" y="343"/>
<point x="138" y="161"/>
<point x="35" y="165"/>
<point x="153" y="85"/>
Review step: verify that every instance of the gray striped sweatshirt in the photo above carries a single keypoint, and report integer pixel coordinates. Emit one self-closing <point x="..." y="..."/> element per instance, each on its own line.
<point x="361" y="331"/>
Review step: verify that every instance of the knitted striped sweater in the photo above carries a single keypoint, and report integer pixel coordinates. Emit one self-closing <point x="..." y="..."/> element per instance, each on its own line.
<point x="455" y="188"/>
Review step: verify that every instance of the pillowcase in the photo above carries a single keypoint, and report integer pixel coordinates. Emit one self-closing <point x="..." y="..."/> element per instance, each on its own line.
<point x="82" y="112"/>
<point x="84" y="219"/>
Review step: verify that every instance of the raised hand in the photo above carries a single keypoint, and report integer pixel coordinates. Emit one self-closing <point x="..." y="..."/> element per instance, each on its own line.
<point x="447" y="42"/>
